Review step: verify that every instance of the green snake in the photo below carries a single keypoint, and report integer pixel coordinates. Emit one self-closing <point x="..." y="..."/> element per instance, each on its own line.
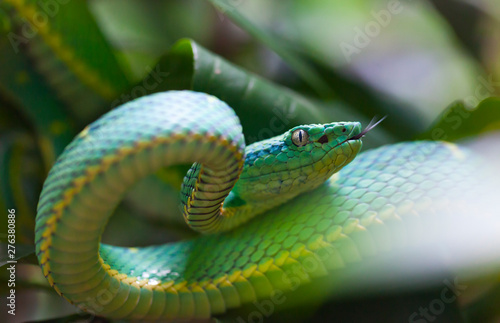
<point x="267" y="209"/>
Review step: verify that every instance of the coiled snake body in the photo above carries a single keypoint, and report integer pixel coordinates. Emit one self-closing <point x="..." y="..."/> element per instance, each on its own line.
<point x="308" y="215"/>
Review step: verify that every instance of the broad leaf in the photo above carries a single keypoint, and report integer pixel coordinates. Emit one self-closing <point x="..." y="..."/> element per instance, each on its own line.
<point x="460" y="121"/>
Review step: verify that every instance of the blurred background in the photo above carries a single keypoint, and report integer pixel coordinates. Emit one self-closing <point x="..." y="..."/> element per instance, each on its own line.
<point x="427" y="65"/>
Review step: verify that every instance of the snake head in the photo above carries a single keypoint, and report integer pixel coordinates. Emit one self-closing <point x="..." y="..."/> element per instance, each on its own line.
<point x="297" y="161"/>
<point x="323" y="149"/>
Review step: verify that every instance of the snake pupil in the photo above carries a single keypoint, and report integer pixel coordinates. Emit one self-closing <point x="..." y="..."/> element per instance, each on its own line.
<point x="299" y="137"/>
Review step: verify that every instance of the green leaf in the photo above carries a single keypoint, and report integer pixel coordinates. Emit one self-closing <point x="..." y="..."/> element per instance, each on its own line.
<point x="459" y="121"/>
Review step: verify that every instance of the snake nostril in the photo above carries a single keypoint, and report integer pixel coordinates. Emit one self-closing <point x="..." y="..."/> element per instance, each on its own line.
<point x="344" y="129"/>
<point x="323" y="139"/>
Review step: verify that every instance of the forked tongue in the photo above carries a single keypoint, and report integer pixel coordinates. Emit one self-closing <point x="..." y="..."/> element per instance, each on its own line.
<point x="369" y="127"/>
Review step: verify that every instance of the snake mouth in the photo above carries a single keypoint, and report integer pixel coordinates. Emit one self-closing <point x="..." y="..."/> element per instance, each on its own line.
<point x="324" y="139"/>
<point x="358" y="136"/>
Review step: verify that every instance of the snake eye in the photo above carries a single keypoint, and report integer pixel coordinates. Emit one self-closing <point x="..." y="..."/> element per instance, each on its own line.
<point x="300" y="137"/>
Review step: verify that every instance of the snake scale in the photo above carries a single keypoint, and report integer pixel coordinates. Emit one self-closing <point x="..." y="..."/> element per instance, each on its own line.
<point x="311" y="221"/>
